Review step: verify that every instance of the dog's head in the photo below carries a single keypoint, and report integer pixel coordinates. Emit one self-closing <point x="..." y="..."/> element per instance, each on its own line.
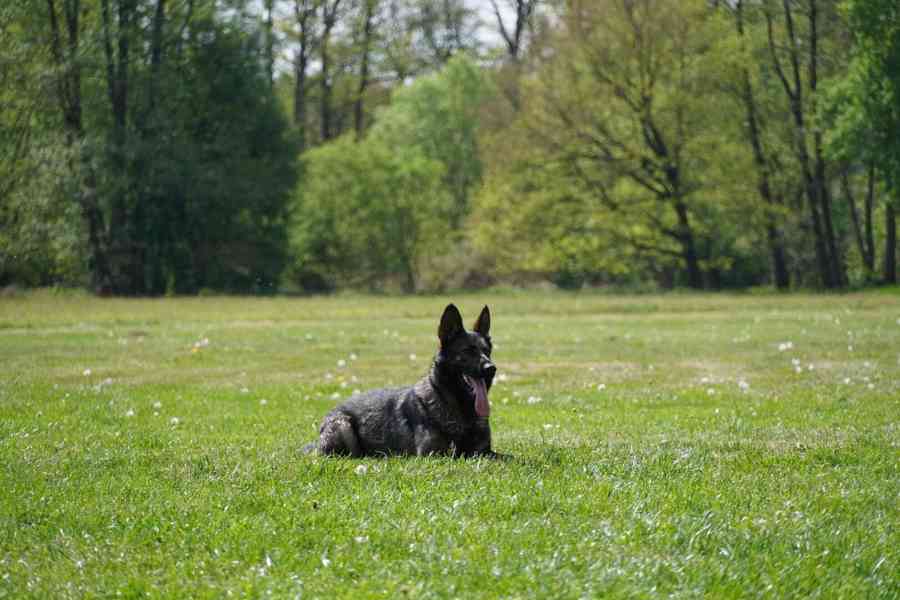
<point x="465" y="356"/>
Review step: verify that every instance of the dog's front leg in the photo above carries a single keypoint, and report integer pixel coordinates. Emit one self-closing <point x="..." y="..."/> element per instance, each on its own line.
<point x="430" y="442"/>
<point x="476" y="441"/>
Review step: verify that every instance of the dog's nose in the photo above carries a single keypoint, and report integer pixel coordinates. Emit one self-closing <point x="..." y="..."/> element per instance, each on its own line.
<point x="488" y="369"/>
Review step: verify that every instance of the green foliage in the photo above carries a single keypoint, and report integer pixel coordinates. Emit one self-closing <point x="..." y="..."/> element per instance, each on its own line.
<point x="439" y="115"/>
<point x="864" y="105"/>
<point x="216" y="168"/>
<point x="614" y="136"/>
<point x="387" y="210"/>
<point x="365" y="214"/>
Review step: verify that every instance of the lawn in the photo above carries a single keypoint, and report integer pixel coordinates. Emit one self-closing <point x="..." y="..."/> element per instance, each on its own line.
<point x="683" y="445"/>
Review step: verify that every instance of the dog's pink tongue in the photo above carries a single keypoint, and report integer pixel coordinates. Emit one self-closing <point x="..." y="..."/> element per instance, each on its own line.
<point x="482" y="407"/>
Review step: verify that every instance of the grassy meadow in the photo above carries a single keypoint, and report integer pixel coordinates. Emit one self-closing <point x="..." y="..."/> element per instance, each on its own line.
<point x="682" y="445"/>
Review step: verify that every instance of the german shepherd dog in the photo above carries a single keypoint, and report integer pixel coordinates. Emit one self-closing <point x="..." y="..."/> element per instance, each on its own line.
<point x="445" y="413"/>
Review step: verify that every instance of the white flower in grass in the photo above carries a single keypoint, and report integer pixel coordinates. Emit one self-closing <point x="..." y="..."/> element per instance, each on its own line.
<point x="601" y="387"/>
<point x="361" y="539"/>
<point x="502" y="377"/>
<point x="412" y="357"/>
<point x="335" y="396"/>
<point x="157" y="405"/>
<point x="341" y="363"/>
<point x="174" y="421"/>
<point x="263" y="402"/>
<point x="785" y="346"/>
<point x="798" y="369"/>
<point x="534" y="399"/>
<point x="326" y="562"/>
<point x="849" y="348"/>
<point x="710" y="392"/>
<point x="361" y="469"/>
<point x="86" y="373"/>
<point x="743" y="385"/>
<point x="871" y="386"/>
<point x="353" y="356"/>
<point x="846" y="381"/>
<point x="795" y="362"/>
<point x="129" y="412"/>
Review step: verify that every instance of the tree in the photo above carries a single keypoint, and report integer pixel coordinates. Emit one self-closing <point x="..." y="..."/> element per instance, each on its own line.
<point x="164" y="178"/>
<point x="864" y="109"/>
<point x="765" y="160"/>
<point x="615" y="108"/>
<point x="383" y="209"/>
<point x="439" y="114"/>
<point x="365" y="215"/>
<point x="793" y="47"/>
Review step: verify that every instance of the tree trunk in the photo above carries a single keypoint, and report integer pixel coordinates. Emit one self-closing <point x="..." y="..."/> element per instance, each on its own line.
<point x="812" y="184"/>
<point x="780" y="273"/>
<point x="890" y="244"/>
<point x="867" y="215"/>
<point x="865" y="251"/>
<point x="304" y="12"/>
<point x="270" y="41"/>
<point x="329" y="18"/>
<point x="68" y="85"/>
<point x="835" y="259"/>
<point x="688" y="247"/>
<point x="359" y="108"/>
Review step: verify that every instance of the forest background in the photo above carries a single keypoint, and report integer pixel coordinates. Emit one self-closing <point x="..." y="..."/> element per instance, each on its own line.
<point x="153" y="147"/>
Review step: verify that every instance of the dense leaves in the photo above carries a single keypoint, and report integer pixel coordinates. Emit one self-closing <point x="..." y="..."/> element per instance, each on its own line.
<point x="154" y="146"/>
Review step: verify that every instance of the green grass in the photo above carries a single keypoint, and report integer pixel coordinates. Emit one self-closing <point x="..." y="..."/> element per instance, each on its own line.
<point x="138" y="460"/>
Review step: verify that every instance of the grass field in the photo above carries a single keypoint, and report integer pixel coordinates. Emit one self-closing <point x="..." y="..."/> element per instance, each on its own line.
<point x="685" y="445"/>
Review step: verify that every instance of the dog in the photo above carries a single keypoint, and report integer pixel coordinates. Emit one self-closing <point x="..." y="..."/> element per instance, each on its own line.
<point x="445" y="413"/>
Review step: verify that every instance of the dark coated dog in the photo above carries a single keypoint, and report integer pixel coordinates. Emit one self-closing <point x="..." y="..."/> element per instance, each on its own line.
<point x="445" y="413"/>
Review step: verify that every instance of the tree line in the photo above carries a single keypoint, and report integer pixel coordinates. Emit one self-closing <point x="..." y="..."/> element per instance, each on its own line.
<point x="175" y="146"/>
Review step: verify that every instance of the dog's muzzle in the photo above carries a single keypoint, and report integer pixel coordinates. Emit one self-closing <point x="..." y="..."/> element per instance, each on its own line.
<point x="488" y="370"/>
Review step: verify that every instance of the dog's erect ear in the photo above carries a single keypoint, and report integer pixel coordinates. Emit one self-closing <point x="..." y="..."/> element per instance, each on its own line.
<point x="483" y="324"/>
<point x="451" y="324"/>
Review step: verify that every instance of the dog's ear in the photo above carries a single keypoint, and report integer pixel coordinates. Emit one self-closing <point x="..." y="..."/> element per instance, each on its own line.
<point x="483" y="324"/>
<point x="451" y="324"/>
